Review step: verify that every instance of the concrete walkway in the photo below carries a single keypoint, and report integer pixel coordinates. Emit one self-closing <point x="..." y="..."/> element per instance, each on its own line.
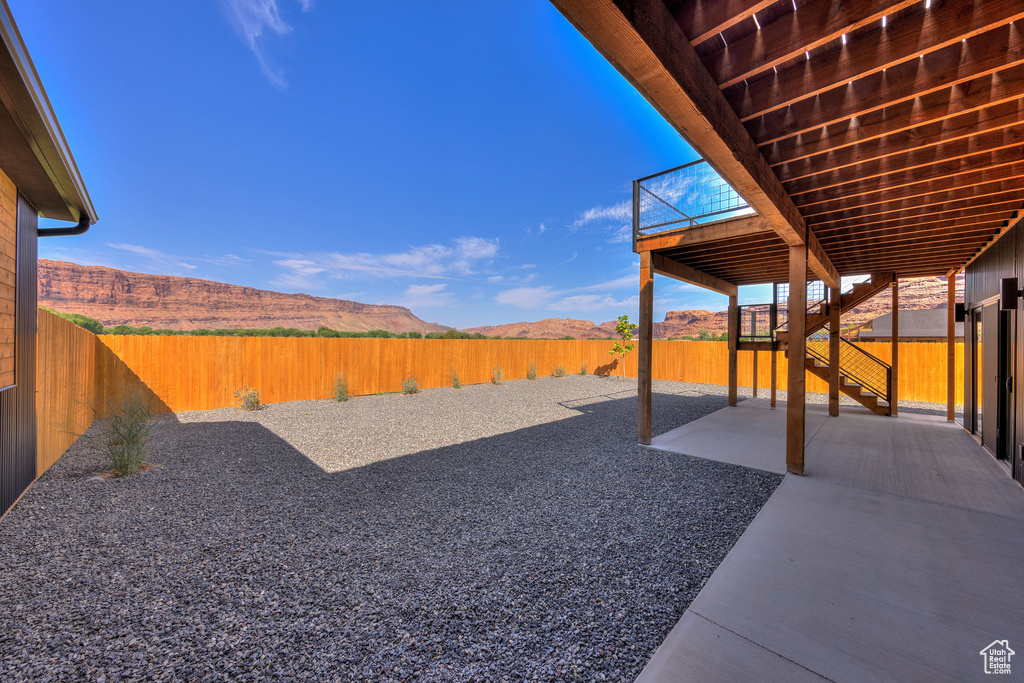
<point x="899" y="556"/>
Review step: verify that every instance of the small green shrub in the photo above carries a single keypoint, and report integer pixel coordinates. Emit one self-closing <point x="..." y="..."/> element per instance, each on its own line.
<point x="558" y="371"/>
<point x="583" y="369"/>
<point x="531" y="371"/>
<point x="126" y="436"/>
<point x="248" y="398"/>
<point x="340" y="388"/>
<point x="456" y="384"/>
<point x="409" y="386"/>
<point x="497" y="375"/>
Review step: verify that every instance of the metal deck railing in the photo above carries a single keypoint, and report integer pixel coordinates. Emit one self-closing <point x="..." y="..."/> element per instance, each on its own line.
<point x="757" y="322"/>
<point x="684" y="197"/>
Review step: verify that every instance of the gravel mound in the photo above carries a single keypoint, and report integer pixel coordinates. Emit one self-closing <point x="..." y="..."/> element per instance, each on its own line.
<point x="494" y="533"/>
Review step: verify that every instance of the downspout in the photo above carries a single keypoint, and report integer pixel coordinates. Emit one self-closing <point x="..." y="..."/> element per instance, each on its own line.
<point x="83" y="225"/>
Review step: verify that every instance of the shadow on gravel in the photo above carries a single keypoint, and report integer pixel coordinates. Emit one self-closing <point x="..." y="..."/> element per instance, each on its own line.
<point x="561" y="552"/>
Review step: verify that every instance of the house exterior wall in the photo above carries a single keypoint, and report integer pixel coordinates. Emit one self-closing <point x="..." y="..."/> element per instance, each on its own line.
<point x="18" y="402"/>
<point x="8" y="259"/>
<point x="981" y="283"/>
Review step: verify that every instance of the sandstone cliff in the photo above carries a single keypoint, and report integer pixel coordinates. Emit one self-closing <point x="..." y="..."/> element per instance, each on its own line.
<point x="116" y="297"/>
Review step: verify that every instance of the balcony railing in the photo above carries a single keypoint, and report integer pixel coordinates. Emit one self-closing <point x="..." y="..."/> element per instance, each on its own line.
<point x="684" y="197"/>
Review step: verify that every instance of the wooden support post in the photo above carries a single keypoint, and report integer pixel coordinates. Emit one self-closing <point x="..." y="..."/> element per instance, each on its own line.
<point x="795" y="408"/>
<point x="754" y="380"/>
<point x="834" y="316"/>
<point x="753" y="331"/>
<point x="894" y="391"/>
<point x="775" y="375"/>
<point x="645" y="347"/>
<point x="734" y="334"/>
<point x="951" y="349"/>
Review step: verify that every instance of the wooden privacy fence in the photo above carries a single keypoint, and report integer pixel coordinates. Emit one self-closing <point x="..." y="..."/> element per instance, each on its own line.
<point x="80" y="374"/>
<point x="65" y="386"/>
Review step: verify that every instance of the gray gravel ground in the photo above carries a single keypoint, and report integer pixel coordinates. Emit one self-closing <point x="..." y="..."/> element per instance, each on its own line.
<point x="511" y="532"/>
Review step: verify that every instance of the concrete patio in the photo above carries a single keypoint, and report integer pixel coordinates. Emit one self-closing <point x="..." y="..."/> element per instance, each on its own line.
<point x="896" y="557"/>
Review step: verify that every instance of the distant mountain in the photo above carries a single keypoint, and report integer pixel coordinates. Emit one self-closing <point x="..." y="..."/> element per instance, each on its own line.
<point x="921" y="293"/>
<point x="118" y="297"/>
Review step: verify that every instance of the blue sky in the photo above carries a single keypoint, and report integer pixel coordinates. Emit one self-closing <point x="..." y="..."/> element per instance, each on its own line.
<point x="470" y="160"/>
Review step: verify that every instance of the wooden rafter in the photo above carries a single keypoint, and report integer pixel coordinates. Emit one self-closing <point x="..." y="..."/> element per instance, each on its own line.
<point x="872" y="52"/>
<point x="650" y="49"/>
<point x="977" y="197"/>
<point x="1017" y="220"/>
<point x="983" y="182"/>
<point x="794" y="33"/>
<point x="702" y="20"/>
<point x="827" y="232"/>
<point x="1006" y="115"/>
<point x="987" y="91"/>
<point x="949" y="170"/>
<point x="976" y="57"/>
<point x="928" y="157"/>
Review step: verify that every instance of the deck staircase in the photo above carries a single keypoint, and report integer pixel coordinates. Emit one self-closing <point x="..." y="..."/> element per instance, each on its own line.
<point x="863" y="377"/>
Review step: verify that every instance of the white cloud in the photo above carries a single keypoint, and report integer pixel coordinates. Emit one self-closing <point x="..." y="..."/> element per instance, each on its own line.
<point x="592" y="302"/>
<point x="617" y="212"/>
<point x="250" y="19"/>
<point x="526" y="297"/>
<point x="632" y="280"/>
<point x="426" y="296"/>
<point x="158" y="259"/>
<point x="427" y="261"/>
<point x="476" y="248"/>
<point x="624" y="233"/>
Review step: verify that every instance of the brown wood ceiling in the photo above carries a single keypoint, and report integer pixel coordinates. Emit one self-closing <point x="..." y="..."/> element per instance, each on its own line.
<point x="895" y="126"/>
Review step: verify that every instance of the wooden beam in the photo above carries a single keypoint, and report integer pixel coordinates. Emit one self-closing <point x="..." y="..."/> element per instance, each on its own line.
<point x="645" y="349"/>
<point x="646" y="45"/>
<point x="893" y="230"/>
<point x="733" y="334"/>
<point x="792" y="34"/>
<point x="902" y="162"/>
<point x="958" y="63"/>
<point x="895" y="386"/>
<point x="738" y="227"/>
<point x="834" y="312"/>
<point x="1016" y="220"/>
<point x="951" y="348"/>
<point x="702" y="20"/>
<point x="989" y="161"/>
<point x="795" y="398"/>
<point x="929" y="134"/>
<point x="919" y="215"/>
<point x="872" y="52"/>
<point x="974" y="96"/>
<point x="926" y="190"/>
<point x="678" y="271"/>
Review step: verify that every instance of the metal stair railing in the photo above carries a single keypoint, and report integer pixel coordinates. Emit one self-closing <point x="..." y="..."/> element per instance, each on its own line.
<point x="757" y="322"/>
<point x="870" y="372"/>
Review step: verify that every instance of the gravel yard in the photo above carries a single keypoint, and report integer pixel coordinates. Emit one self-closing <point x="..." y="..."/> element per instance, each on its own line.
<point x="512" y="532"/>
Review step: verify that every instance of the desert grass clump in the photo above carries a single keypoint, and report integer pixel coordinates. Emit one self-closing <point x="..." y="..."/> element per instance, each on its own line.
<point x="456" y="384"/>
<point x="248" y="398"/>
<point x="409" y="386"/>
<point x="583" y="369"/>
<point x="531" y="371"/>
<point x="126" y="436"/>
<point x="558" y="371"/>
<point x="497" y="375"/>
<point x="340" y="388"/>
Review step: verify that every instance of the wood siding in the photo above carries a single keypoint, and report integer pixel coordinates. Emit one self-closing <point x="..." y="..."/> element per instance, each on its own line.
<point x="8" y="275"/>
<point x="199" y="373"/>
<point x="65" y="376"/>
